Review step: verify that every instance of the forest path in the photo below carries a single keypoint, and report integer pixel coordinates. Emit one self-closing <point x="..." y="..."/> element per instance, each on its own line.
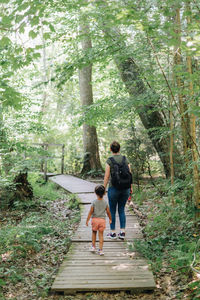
<point x="119" y="269"/>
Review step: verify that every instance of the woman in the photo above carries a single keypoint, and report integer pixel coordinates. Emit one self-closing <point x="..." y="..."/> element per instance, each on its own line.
<point x="116" y="197"/>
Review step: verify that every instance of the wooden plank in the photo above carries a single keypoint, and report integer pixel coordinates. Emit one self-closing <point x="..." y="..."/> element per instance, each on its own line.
<point x="118" y="264"/>
<point x="107" y="277"/>
<point x="110" y="286"/>
<point x="110" y="275"/>
<point x="119" y="281"/>
<point x="109" y="245"/>
<point x="109" y="252"/>
<point x="81" y="236"/>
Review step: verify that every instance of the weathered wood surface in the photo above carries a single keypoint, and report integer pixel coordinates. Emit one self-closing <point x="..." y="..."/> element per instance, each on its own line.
<point x="119" y="269"/>
<point x="73" y="184"/>
<point x="86" y="198"/>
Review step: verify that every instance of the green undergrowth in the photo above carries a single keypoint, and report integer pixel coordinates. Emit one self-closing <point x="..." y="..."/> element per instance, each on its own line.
<point x="45" y="191"/>
<point x="171" y="235"/>
<point x="34" y="238"/>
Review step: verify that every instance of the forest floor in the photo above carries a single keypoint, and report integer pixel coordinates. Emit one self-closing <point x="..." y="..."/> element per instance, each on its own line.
<point x="32" y="257"/>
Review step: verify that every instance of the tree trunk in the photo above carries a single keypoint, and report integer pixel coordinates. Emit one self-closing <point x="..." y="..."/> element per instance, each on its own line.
<point x="171" y="148"/>
<point x="5" y="149"/>
<point x="183" y="109"/>
<point x="196" y="177"/>
<point x="44" y="76"/>
<point x="23" y="190"/>
<point x="90" y="141"/>
<point x="151" y="118"/>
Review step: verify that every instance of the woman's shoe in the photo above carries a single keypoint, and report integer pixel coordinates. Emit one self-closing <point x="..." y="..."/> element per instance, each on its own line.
<point x="112" y="236"/>
<point x="121" y="235"/>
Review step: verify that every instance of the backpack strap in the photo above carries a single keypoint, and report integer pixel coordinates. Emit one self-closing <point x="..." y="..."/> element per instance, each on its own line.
<point x="113" y="161"/>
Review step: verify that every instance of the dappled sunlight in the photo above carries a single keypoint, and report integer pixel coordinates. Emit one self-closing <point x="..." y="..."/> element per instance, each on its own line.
<point x="132" y="254"/>
<point x="121" y="267"/>
<point x="109" y="261"/>
<point x="144" y="267"/>
<point x="5" y="256"/>
<point x="121" y="254"/>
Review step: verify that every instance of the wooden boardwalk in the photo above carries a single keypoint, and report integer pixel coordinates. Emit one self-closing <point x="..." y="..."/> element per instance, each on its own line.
<point x="119" y="269"/>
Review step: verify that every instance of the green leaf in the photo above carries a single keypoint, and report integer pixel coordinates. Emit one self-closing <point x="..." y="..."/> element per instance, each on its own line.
<point x="36" y="55"/>
<point x="33" y="34"/>
<point x="19" y="50"/>
<point x="6" y="20"/>
<point x="5" y="41"/>
<point x="21" y="30"/>
<point x="35" y="21"/>
<point x="46" y="35"/>
<point x="19" y="18"/>
<point x="45" y="23"/>
<point x="51" y="27"/>
<point x="38" y="47"/>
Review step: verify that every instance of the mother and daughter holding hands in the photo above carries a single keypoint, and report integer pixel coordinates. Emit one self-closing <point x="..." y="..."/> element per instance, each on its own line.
<point x="118" y="175"/>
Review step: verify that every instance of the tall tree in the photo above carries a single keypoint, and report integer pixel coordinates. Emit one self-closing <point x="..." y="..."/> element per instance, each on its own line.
<point x="183" y="108"/>
<point x="90" y="140"/>
<point x="195" y="158"/>
<point x="44" y="75"/>
<point x="151" y="118"/>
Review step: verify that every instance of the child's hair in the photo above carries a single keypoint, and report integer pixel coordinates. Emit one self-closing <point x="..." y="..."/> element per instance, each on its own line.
<point x="100" y="190"/>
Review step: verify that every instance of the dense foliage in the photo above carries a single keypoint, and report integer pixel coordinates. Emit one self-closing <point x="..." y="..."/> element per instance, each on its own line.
<point x="34" y="237"/>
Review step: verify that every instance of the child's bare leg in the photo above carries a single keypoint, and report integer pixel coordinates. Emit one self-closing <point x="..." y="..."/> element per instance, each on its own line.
<point x="94" y="236"/>
<point x="101" y="240"/>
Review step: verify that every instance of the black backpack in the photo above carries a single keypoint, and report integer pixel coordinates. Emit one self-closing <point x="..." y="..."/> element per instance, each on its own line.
<point x="121" y="177"/>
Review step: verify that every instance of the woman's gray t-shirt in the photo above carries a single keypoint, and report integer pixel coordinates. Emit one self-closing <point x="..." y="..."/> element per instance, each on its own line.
<point x="99" y="208"/>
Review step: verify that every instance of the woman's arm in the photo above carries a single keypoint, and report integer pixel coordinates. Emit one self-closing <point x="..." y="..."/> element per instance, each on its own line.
<point x="89" y="215"/>
<point x="107" y="175"/>
<point x="131" y="189"/>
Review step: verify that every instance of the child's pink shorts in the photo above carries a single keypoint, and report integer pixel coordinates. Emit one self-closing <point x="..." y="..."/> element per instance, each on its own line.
<point x="98" y="224"/>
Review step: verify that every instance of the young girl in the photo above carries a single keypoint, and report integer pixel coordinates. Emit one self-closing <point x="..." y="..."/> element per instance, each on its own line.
<point x="98" y="211"/>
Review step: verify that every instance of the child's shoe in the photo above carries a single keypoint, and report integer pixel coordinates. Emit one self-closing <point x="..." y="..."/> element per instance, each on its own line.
<point x="112" y="235"/>
<point x="100" y="252"/>
<point x="92" y="249"/>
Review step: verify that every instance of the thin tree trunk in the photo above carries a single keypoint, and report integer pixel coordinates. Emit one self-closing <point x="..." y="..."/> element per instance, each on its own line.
<point x="196" y="177"/>
<point x="185" y="129"/>
<point x="4" y="146"/>
<point x="44" y="76"/>
<point x="90" y="141"/>
<point x="183" y="107"/>
<point x="171" y="147"/>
